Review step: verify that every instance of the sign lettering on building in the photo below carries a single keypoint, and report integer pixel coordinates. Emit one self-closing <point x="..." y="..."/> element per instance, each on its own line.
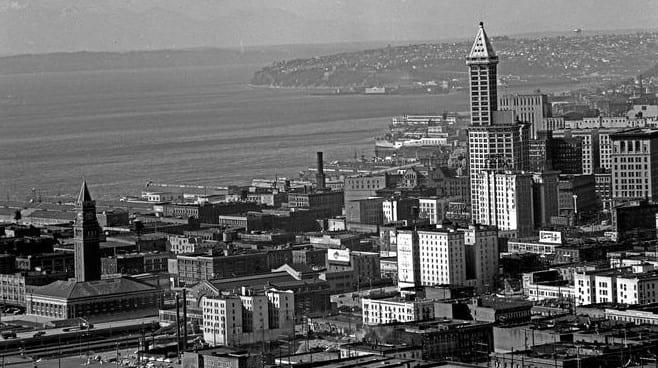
<point x="339" y="255"/>
<point x="553" y="237"/>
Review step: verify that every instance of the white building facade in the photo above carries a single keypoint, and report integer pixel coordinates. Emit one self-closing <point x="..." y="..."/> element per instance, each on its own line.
<point x="233" y="320"/>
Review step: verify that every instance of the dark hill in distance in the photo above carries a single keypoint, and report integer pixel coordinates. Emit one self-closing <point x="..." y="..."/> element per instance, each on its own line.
<point x="89" y="61"/>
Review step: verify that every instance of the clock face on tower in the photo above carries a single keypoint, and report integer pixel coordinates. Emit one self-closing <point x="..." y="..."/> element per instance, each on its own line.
<point x="88" y="216"/>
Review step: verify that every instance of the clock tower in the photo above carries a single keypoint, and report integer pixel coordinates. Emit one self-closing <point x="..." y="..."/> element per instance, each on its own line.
<point x="86" y="237"/>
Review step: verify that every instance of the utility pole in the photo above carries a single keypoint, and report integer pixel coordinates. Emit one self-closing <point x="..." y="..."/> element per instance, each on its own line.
<point x="177" y="327"/>
<point x="184" y="320"/>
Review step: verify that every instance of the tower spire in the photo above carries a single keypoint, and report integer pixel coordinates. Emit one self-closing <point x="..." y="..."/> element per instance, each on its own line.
<point x="86" y="238"/>
<point x="84" y="195"/>
<point x="482" y="49"/>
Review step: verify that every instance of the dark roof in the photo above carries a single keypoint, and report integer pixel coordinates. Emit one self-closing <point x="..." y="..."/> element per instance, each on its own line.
<point x="635" y="133"/>
<point x="253" y="281"/>
<point x="77" y="290"/>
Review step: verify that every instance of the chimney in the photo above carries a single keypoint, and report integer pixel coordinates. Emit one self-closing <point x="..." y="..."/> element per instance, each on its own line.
<point x="321" y="182"/>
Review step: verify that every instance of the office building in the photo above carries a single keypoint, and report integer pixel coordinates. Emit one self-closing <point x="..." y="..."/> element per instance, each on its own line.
<point x="400" y="209"/>
<point x="603" y="189"/>
<point x="505" y="201"/>
<point x="248" y="317"/>
<point x="408" y="251"/>
<point x="434" y="209"/>
<point x="544" y="197"/>
<point x="576" y="196"/>
<point x="482" y="63"/>
<point x="495" y="139"/>
<point x="481" y="257"/>
<point x="634" y="165"/>
<point x="442" y="257"/>
<point x="530" y="109"/>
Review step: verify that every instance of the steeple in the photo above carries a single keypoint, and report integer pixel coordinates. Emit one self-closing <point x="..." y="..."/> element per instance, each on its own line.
<point x="482" y="51"/>
<point x="482" y="63"/>
<point x="84" y="195"/>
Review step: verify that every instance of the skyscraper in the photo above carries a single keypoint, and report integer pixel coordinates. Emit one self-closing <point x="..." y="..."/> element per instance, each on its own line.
<point x="482" y="62"/>
<point x="86" y="237"/>
<point x="495" y="140"/>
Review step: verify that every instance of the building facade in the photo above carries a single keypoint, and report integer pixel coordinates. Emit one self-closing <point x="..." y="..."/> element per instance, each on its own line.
<point x="634" y="165"/>
<point x="395" y="310"/>
<point x="505" y="201"/>
<point x="442" y="257"/>
<point x="530" y="108"/>
<point x="248" y="317"/>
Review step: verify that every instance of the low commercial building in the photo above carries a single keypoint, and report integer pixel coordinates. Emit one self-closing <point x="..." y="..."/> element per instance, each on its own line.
<point x="329" y="201"/>
<point x="71" y="299"/>
<point x="181" y="244"/>
<point x="195" y="268"/>
<point x="396" y="310"/>
<point x="54" y="262"/>
<point x="549" y="284"/>
<point x="546" y="243"/>
<point x="460" y="340"/>
<point x="221" y="357"/>
<point x="358" y="349"/>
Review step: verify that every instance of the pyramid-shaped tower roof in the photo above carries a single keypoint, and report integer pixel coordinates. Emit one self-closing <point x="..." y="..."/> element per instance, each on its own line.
<point x="84" y="195"/>
<point x="482" y="48"/>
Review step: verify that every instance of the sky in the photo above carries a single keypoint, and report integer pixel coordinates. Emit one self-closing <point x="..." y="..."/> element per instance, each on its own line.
<point x="39" y="26"/>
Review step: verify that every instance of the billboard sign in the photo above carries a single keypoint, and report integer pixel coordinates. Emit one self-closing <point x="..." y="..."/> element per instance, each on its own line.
<point x="339" y="255"/>
<point x="552" y="237"/>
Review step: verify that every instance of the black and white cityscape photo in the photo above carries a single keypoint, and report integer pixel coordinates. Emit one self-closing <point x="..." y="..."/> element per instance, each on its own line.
<point x="328" y="183"/>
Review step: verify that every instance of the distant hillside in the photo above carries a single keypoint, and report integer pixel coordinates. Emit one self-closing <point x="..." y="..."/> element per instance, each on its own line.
<point x="86" y="61"/>
<point x="579" y="58"/>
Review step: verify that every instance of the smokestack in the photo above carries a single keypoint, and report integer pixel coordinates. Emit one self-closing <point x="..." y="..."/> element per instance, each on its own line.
<point x="320" y="176"/>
